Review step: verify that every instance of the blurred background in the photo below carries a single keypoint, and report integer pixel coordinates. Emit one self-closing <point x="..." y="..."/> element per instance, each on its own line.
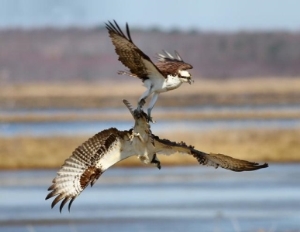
<point x="59" y="86"/>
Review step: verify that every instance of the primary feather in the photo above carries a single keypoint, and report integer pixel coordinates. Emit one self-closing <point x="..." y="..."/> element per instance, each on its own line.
<point x="167" y="74"/>
<point x="103" y="150"/>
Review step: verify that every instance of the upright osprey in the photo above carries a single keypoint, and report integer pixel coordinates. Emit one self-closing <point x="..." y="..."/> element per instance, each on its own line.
<point x="168" y="74"/>
<point x="110" y="146"/>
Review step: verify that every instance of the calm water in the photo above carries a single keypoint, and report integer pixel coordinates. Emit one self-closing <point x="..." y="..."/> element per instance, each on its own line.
<point x="146" y="199"/>
<point x="90" y="127"/>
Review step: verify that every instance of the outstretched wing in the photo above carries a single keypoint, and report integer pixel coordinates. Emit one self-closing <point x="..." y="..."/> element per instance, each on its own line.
<point x="168" y="147"/>
<point x="86" y="165"/>
<point x="226" y="162"/>
<point x="139" y="64"/>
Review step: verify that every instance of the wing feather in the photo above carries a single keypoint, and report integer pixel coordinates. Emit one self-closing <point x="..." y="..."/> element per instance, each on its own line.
<point x="127" y="30"/>
<point x="86" y="164"/>
<point x="226" y="162"/>
<point x="139" y="64"/>
<point x="164" y="146"/>
<point x="169" y="64"/>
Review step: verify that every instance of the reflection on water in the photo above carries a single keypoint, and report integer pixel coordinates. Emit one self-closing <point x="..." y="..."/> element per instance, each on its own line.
<point x="147" y="199"/>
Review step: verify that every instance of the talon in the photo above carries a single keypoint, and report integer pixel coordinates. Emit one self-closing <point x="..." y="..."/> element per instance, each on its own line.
<point x="149" y="116"/>
<point x="158" y="165"/>
<point x="141" y="103"/>
<point x="156" y="161"/>
<point x="151" y="120"/>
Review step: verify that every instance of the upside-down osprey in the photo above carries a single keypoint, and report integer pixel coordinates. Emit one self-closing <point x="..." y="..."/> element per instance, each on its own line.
<point x="168" y="74"/>
<point x="110" y="146"/>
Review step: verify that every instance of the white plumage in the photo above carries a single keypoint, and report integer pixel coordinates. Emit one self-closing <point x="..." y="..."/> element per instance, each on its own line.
<point x="108" y="147"/>
<point x="165" y="75"/>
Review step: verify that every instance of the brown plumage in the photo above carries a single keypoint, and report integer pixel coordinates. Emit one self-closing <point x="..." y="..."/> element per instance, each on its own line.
<point x="210" y="159"/>
<point x="129" y="54"/>
<point x="83" y="167"/>
<point x="108" y="147"/>
<point x="168" y="74"/>
<point x="172" y="67"/>
<point x="137" y="61"/>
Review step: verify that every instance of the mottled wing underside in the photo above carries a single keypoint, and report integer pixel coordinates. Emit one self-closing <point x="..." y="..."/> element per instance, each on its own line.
<point x="226" y="162"/>
<point x="139" y="64"/>
<point x="168" y="147"/>
<point x="83" y="167"/>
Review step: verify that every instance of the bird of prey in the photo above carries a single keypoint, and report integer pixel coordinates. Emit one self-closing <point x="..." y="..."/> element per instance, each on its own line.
<point x="110" y="146"/>
<point x="167" y="74"/>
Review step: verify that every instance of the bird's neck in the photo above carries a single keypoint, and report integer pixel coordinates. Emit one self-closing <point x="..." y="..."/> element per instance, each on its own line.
<point x="172" y="82"/>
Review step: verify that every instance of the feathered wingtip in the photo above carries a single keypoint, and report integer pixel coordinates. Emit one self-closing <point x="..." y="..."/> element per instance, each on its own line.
<point x="168" y="57"/>
<point x="59" y="197"/>
<point x="115" y="28"/>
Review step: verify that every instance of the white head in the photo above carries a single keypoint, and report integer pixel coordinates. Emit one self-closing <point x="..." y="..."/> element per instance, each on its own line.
<point x="175" y="66"/>
<point x="185" y="76"/>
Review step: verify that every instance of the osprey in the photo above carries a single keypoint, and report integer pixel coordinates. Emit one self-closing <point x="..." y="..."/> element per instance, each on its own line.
<point x="110" y="146"/>
<point x="168" y="74"/>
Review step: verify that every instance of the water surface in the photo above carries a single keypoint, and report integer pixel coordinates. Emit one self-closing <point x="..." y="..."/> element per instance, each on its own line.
<point x="146" y="199"/>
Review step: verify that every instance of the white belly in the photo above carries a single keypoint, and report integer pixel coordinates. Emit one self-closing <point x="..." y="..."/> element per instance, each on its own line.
<point x="143" y="149"/>
<point x="171" y="83"/>
<point x="159" y="85"/>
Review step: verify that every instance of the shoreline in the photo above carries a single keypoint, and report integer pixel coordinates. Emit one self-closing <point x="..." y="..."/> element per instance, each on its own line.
<point x="268" y="145"/>
<point x="252" y="91"/>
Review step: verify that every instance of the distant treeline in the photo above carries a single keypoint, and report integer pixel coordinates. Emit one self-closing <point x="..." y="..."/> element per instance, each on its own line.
<point x="87" y="54"/>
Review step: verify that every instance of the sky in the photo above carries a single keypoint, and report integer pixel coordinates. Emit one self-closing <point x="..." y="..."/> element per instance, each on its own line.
<point x="208" y="15"/>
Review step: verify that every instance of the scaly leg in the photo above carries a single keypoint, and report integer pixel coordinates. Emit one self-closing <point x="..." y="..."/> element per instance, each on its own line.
<point x="141" y="103"/>
<point x="151" y="105"/>
<point x="142" y="99"/>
